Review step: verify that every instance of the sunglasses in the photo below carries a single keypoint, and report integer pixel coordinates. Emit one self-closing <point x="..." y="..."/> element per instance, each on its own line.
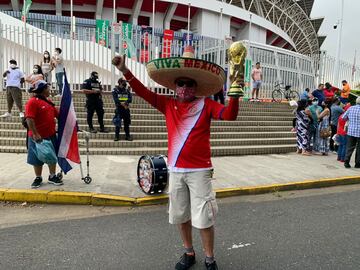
<point x="181" y="83"/>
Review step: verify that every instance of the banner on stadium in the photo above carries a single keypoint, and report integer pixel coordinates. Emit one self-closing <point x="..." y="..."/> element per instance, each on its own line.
<point x="146" y="32"/>
<point x="128" y="45"/>
<point x="102" y="32"/>
<point x="247" y="77"/>
<point x="25" y="10"/>
<point x="167" y="42"/>
<point x="185" y="39"/>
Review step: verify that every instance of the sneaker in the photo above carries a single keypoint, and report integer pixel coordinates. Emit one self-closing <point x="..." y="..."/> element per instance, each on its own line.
<point x="357" y="166"/>
<point x="37" y="182"/>
<point x="21" y="115"/>
<point x="257" y="100"/>
<point x="211" y="266"/>
<point x="252" y="100"/>
<point x="128" y="138"/>
<point x="347" y="165"/>
<point x="92" y="130"/>
<point x="116" y="139"/>
<point x="55" y="181"/>
<point x="6" y="115"/>
<point x="104" y="130"/>
<point x="186" y="261"/>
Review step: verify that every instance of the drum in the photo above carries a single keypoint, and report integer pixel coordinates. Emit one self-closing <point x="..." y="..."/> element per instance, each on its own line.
<point x="152" y="174"/>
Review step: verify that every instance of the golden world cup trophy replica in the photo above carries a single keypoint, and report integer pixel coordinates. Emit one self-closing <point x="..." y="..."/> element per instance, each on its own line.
<point x="237" y="54"/>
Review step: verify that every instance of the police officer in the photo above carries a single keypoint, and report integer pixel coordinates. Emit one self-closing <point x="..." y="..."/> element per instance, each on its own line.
<point x="122" y="98"/>
<point x="92" y="88"/>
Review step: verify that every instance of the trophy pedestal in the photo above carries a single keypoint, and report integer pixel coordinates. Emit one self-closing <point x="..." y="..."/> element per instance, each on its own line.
<point x="236" y="91"/>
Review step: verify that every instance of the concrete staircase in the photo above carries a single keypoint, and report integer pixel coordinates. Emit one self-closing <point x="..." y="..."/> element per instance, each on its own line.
<point x="260" y="128"/>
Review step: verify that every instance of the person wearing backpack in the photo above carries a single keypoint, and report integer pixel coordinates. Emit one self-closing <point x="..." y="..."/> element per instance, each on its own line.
<point x="40" y="115"/>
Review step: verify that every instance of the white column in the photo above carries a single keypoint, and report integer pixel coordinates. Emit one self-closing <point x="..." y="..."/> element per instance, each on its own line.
<point x="169" y="14"/>
<point x="99" y="9"/>
<point x="58" y="6"/>
<point x="136" y="12"/>
<point x="15" y="5"/>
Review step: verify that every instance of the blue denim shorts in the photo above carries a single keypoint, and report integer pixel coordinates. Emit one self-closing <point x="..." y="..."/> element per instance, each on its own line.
<point x="256" y="84"/>
<point x="31" y="156"/>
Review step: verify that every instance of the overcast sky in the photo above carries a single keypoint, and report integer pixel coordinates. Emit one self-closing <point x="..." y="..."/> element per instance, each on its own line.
<point x="331" y="10"/>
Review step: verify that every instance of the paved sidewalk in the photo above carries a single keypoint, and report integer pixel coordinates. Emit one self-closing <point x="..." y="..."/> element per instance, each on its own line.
<point x="117" y="175"/>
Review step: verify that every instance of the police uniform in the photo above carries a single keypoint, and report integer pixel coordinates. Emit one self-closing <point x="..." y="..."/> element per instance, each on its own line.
<point x="122" y="95"/>
<point x="94" y="102"/>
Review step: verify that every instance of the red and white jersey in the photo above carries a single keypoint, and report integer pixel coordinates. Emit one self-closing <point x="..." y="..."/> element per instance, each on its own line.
<point x="188" y="126"/>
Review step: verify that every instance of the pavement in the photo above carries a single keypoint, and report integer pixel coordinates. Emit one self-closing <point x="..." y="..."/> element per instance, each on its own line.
<point x="234" y="175"/>
<point x="312" y="229"/>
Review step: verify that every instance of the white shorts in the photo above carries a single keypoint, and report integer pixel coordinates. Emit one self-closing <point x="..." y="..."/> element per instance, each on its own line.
<point x="191" y="197"/>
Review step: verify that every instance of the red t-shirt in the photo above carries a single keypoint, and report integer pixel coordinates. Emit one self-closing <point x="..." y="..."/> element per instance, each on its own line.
<point x="43" y="115"/>
<point x="188" y="125"/>
<point x="341" y="126"/>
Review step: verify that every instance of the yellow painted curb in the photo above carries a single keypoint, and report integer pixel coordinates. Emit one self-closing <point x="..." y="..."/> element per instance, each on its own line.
<point x="326" y="182"/>
<point x="159" y="199"/>
<point x="112" y="200"/>
<point x="2" y="193"/>
<point x="68" y="197"/>
<point x="25" y="195"/>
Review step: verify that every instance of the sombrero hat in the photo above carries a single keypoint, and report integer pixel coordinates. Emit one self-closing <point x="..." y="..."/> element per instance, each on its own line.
<point x="209" y="77"/>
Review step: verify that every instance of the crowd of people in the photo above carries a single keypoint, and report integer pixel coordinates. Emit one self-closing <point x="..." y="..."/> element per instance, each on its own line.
<point x="326" y="122"/>
<point x="42" y="72"/>
<point x="15" y="78"/>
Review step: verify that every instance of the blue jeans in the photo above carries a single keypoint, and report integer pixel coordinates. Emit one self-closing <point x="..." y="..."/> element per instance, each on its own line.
<point x="342" y="139"/>
<point x="59" y="81"/>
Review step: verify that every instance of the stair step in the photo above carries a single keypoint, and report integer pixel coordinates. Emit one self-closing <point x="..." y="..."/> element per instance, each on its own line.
<point x="106" y="143"/>
<point x="21" y="133"/>
<point x="215" y="151"/>
<point x="147" y="128"/>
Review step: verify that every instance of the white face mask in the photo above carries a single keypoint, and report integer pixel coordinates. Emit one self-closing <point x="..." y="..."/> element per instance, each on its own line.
<point x="56" y="53"/>
<point x="46" y="55"/>
<point x="12" y="66"/>
<point x="315" y="103"/>
<point x="35" y="70"/>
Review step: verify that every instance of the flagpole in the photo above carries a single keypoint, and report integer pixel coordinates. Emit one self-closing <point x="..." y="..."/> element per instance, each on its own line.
<point x="71" y="43"/>
<point x="114" y="19"/>
<point x="353" y="71"/>
<point x="220" y="34"/>
<point x="338" y="51"/>
<point x="188" y="26"/>
<point x="153" y="30"/>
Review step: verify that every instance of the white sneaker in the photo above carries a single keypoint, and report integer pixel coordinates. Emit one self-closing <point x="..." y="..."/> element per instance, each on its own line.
<point x="21" y="115"/>
<point x="5" y="115"/>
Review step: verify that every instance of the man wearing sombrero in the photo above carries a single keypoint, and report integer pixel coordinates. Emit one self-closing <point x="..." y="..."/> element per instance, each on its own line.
<point x="188" y="115"/>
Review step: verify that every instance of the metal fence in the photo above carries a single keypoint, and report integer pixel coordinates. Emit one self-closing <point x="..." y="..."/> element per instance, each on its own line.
<point x="326" y="67"/>
<point x="83" y="55"/>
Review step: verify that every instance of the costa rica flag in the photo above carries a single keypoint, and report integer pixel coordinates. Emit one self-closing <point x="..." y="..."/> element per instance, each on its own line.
<point x="67" y="141"/>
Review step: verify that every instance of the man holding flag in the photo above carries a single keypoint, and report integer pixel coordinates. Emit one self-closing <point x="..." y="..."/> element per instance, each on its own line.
<point x="40" y="115"/>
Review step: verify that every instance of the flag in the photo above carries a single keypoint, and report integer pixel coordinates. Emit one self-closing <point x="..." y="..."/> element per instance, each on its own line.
<point x="25" y="10"/>
<point x="67" y="141"/>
